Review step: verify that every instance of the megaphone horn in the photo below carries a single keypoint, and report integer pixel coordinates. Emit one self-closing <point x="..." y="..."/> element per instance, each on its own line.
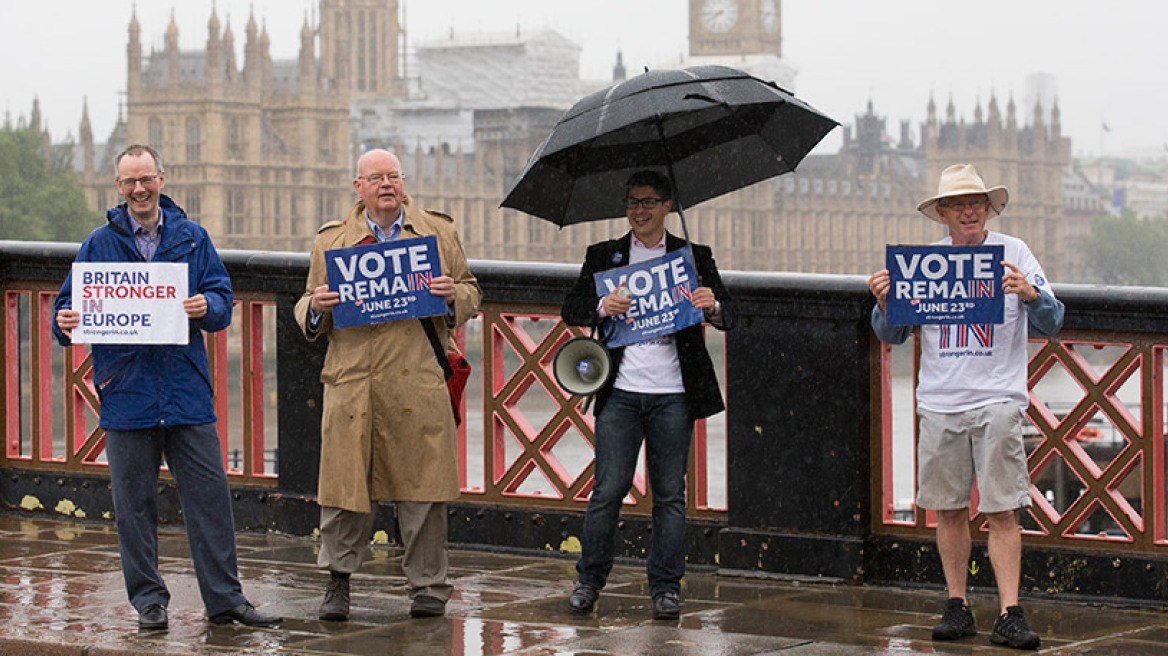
<point x="582" y="366"/>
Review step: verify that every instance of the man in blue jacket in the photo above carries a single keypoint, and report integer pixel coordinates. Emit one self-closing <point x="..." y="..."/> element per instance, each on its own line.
<point x="156" y="400"/>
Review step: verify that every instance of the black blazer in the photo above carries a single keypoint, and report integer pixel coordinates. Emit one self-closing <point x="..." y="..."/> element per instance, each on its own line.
<point x="697" y="371"/>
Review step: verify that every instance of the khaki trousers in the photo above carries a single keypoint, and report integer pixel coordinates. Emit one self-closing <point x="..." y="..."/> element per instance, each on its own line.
<point x="344" y="544"/>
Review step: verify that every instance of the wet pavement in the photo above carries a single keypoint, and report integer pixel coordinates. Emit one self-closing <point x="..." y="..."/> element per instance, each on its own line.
<point x="61" y="593"/>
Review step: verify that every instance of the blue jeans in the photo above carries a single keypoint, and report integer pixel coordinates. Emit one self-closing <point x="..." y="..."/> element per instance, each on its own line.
<point x="193" y="456"/>
<point x="663" y="423"/>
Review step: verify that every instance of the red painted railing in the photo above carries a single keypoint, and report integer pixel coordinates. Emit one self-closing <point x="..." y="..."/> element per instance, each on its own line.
<point x="1094" y="438"/>
<point x="55" y="427"/>
<point x="525" y="442"/>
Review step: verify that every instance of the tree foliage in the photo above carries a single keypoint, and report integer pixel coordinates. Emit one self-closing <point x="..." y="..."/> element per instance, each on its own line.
<point x="1127" y="250"/>
<point x="40" y="200"/>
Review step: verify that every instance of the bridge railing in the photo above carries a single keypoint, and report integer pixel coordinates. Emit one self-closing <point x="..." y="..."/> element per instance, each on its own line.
<point x="809" y="472"/>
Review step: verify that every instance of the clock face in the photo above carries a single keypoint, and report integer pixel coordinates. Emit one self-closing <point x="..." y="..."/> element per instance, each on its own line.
<point x="770" y="15"/>
<point x="719" y="15"/>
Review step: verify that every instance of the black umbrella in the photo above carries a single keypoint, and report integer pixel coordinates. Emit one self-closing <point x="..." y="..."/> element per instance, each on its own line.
<point x="711" y="129"/>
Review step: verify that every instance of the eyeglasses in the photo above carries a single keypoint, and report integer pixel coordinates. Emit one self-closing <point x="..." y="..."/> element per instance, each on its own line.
<point x="131" y="183"/>
<point x="647" y="203"/>
<point x="976" y="204"/>
<point x="393" y="177"/>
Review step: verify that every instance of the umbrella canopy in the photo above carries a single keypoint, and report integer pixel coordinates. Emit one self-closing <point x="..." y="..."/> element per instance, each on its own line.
<point x="711" y="129"/>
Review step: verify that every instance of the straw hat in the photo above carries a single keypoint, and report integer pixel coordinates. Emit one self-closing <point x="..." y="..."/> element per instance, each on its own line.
<point x="961" y="180"/>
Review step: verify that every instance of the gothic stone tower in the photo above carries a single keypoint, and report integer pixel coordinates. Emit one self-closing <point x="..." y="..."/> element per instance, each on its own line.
<point x="259" y="154"/>
<point x="731" y="27"/>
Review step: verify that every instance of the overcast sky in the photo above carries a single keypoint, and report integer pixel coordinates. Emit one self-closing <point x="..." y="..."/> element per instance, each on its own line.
<point x="1109" y="59"/>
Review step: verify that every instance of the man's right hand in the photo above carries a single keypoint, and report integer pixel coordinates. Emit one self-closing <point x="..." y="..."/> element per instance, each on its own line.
<point x="67" y="320"/>
<point x="323" y="300"/>
<point x="878" y="285"/>
<point x="617" y="302"/>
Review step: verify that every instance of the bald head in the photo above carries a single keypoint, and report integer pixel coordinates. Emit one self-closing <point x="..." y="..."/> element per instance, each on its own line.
<point x="380" y="184"/>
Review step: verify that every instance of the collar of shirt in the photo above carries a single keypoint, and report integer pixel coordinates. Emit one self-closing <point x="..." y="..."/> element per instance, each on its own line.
<point x="146" y="242"/>
<point x="639" y="252"/>
<point x="394" y="230"/>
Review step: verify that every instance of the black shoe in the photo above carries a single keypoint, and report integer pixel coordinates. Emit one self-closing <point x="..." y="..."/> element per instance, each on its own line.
<point x="335" y="607"/>
<point x="583" y="598"/>
<point x="957" y="622"/>
<point x="153" y="617"/>
<point x="427" y="606"/>
<point x="666" y="606"/>
<point x="1010" y="629"/>
<point x="247" y="615"/>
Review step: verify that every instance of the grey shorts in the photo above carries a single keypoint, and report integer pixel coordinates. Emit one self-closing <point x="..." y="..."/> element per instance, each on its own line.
<point x="986" y="441"/>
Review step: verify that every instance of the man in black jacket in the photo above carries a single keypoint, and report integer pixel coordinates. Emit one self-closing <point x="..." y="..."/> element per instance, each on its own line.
<point x="660" y="387"/>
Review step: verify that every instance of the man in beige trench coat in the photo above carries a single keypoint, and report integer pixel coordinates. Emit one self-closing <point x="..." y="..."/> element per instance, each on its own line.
<point x="387" y="431"/>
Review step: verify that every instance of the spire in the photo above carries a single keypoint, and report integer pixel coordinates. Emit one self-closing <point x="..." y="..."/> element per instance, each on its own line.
<point x="951" y="111"/>
<point x="86" y="137"/>
<point x="618" y="70"/>
<point x="229" y="51"/>
<point x="172" y="56"/>
<point x="1056" y="125"/>
<point x="252" y="67"/>
<point x="34" y="119"/>
<point x="1011" y="116"/>
<point x="134" y="54"/>
<point x="307" y="57"/>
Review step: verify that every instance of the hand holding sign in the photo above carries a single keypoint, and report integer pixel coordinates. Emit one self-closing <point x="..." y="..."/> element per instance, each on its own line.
<point x="1015" y="282"/>
<point x="618" y="301"/>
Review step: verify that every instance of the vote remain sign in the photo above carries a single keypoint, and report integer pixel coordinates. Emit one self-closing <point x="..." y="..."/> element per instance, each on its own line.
<point x="385" y="281"/>
<point x="945" y="284"/>
<point x="661" y="289"/>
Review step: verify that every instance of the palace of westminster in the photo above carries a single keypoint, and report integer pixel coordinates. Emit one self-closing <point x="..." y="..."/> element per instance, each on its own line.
<point x="261" y="151"/>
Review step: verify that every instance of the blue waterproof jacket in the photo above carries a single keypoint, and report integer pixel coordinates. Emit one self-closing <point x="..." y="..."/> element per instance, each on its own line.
<point x="149" y="385"/>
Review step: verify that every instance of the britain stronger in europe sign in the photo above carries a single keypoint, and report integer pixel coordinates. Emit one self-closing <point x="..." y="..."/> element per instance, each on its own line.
<point x="944" y="284"/>
<point x="130" y="303"/>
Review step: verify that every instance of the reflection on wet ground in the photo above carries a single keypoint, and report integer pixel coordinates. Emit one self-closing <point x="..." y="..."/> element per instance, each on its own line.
<point x="61" y="593"/>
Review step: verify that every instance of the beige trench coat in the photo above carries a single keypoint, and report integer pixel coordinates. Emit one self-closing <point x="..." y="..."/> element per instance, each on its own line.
<point x="387" y="432"/>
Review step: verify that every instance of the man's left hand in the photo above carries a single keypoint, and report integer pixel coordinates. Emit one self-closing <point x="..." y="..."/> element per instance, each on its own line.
<point x="443" y="286"/>
<point x="1014" y="282"/>
<point x="703" y="299"/>
<point x="196" y="306"/>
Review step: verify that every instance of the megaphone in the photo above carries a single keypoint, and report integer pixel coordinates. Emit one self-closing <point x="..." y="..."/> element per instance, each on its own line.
<point x="582" y="366"/>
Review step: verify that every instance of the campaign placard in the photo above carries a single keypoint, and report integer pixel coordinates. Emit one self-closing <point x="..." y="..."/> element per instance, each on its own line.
<point x="945" y="284"/>
<point x="661" y="289"/>
<point x="385" y="281"/>
<point x="130" y="303"/>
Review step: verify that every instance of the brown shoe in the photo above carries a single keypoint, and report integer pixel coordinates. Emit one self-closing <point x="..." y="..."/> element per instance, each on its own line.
<point x="335" y="607"/>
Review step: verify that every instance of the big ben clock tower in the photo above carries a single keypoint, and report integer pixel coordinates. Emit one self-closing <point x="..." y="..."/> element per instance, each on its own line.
<point x="734" y="27"/>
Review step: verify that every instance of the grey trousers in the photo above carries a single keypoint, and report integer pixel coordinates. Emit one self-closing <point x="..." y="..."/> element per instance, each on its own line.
<point x="344" y="544"/>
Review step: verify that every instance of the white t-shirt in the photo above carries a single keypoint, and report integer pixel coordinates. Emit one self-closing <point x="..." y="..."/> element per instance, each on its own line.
<point x="650" y="366"/>
<point x="965" y="366"/>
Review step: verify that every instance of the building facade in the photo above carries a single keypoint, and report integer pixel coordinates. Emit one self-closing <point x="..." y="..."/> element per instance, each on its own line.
<point x="262" y="153"/>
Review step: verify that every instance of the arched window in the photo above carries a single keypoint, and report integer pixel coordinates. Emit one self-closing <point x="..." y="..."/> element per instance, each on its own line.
<point x="194" y="139"/>
<point x="154" y="134"/>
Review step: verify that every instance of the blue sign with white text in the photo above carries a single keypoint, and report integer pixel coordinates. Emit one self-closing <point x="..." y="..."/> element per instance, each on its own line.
<point x="661" y="289"/>
<point x="385" y="281"/>
<point x="945" y="284"/>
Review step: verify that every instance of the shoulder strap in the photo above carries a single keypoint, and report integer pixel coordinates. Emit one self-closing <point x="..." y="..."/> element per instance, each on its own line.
<point x="439" y="352"/>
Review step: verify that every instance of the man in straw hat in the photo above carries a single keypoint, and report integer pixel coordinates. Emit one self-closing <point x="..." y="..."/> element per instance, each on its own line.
<point x="971" y="404"/>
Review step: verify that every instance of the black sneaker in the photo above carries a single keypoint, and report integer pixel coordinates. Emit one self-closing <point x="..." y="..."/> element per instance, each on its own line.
<point x="1010" y="629"/>
<point x="957" y="622"/>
